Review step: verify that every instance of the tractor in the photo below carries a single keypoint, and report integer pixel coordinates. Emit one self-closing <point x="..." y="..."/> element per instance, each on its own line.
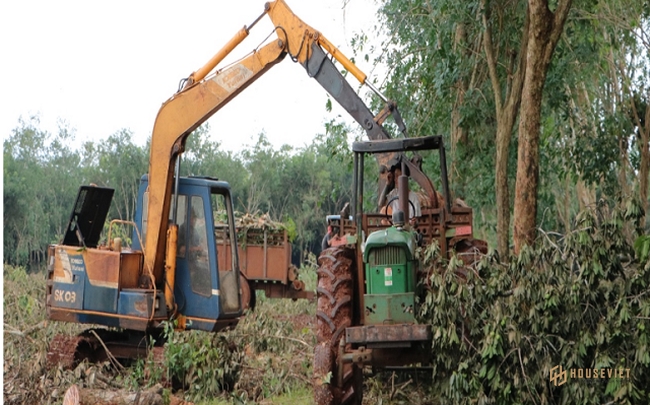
<point x="370" y="279"/>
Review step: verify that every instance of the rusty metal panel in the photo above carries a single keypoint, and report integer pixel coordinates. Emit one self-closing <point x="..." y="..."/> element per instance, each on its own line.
<point x="224" y="258"/>
<point x="267" y="258"/>
<point x="63" y="315"/>
<point x="102" y="281"/>
<point x="389" y="357"/>
<point x="375" y="222"/>
<point x="131" y="267"/>
<point x="430" y="225"/>
<point x="387" y="333"/>
<point x="258" y="264"/>
<point x="102" y="267"/>
<point x="141" y="303"/>
<point x="277" y="290"/>
<point x="86" y="278"/>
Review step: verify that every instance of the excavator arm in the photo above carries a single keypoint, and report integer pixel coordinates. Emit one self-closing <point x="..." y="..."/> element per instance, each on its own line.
<point x="205" y="93"/>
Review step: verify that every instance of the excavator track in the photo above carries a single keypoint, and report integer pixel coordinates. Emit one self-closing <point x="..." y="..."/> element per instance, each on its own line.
<point x="95" y="345"/>
<point x="334" y="314"/>
<point x="63" y="351"/>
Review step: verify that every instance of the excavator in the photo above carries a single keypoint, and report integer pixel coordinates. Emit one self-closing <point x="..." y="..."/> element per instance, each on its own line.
<point x="184" y="265"/>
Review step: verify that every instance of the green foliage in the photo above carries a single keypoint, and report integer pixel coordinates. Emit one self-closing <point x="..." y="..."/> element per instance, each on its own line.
<point x="298" y="186"/>
<point x="578" y="300"/>
<point x="204" y="363"/>
<point x="278" y="341"/>
<point x="435" y="54"/>
<point x="290" y="226"/>
<point x="642" y="248"/>
<point x="267" y="356"/>
<point x="204" y="157"/>
<point x="35" y="212"/>
<point x="118" y="163"/>
<point x="598" y="72"/>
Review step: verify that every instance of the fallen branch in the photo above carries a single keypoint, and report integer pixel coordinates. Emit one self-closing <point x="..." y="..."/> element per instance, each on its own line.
<point x="110" y="356"/>
<point x="276" y="337"/>
<point x="108" y="381"/>
<point x="86" y="396"/>
<point x="281" y="385"/>
<point x="25" y="333"/>
<point x="151" y="396"/>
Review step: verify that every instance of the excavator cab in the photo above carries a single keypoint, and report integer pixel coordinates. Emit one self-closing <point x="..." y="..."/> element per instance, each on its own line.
<point x="206" y="295"/>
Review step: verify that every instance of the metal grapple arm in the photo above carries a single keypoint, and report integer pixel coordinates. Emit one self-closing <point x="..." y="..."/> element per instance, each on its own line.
<point x="204" y="94"/>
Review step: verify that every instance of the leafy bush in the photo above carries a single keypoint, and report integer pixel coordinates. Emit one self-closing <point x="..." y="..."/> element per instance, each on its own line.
<point x="268" y="355"/>
<point x="578" y="301"/>
<point x="278" y="340"/>
<point x="203" y="363"/>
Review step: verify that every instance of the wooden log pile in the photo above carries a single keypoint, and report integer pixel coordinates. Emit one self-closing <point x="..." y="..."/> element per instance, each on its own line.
<point x="251" y="229"/>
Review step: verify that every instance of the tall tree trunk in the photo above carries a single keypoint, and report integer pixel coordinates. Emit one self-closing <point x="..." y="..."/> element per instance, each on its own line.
<point x="506" y="114"/>
<point x="458" y="133"/>
<point x="616" y="74"/>
<point x="544" y="31"/>
<point x="642" y="122"/>
<point x="645" y="163"/>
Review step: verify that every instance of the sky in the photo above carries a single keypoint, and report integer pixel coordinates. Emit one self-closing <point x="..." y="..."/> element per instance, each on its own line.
<point x="99" y="67"/>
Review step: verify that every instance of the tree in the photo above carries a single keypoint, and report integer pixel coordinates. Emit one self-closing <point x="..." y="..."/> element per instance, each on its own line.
<point x="204" y="157"/>
<point x="507" y="99"/>
<point x="437" y="75"/>
<point x="265" y="165"/>
<point x="458" y="54"/>
<point x="119" y="164"/>
<point x="594" y="107"/>
<point x="36" y="212"/>
<point x="634" y="76"/>
<point x="544" y="32"/>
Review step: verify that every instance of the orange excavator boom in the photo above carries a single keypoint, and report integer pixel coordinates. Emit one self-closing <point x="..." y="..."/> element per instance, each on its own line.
<point x="204" y="93"/>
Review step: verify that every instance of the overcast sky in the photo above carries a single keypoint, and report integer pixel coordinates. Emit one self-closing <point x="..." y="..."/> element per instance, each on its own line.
<point x="104" y="66"/>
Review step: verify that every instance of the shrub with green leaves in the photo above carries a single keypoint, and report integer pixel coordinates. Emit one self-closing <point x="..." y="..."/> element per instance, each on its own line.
<point x="579" y="300"/>
<point x="204" y="364"/>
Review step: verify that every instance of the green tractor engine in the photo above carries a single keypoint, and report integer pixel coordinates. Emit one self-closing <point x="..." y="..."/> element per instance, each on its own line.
<point x="390" y="270"/>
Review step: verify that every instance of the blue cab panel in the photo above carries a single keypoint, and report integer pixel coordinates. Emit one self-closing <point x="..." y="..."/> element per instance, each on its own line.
<point x="68" y="295"/>
<point x="69" y="283"/>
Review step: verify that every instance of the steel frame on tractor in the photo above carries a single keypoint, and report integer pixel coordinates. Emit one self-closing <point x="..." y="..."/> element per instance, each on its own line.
<point x="392" y="343"/>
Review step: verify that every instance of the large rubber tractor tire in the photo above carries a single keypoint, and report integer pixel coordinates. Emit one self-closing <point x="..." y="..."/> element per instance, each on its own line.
<point x="334" y="314"/>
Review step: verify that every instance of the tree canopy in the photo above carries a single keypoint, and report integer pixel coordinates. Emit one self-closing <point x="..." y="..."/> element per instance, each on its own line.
<point x="456" y="69"/>
<point x="43" y="171"/>
<point x="460" y="69"/>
